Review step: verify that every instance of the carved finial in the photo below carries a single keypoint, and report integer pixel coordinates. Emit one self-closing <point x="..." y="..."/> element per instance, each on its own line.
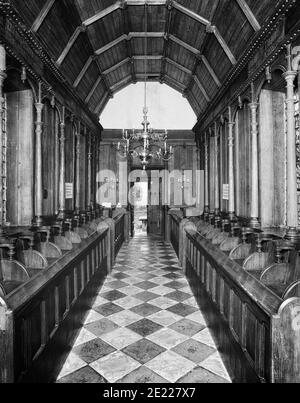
<point x="268" y="74"/>
<point x="240" y="102"/>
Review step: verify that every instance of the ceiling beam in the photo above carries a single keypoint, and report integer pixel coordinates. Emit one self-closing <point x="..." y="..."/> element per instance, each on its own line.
<point x="140" y="57"/>
<point x="220" y="39"/>
<point x="145" y="34"/>
<point x="121" y="84"/>
<point x="116" y="66"/>
<point x="111" y="44"/>
<point x="103" y="102"/>
<point x="168" y="25"/>
<point x="91" y="93"/>
<point x="249" y="15"/>
<point x="180" y="87"/>
<point x="103" y="14"/>
<point x="143" y="2"/>
<point x="83" y="71"/>
<point x="211" y="71"/>
<point x="69" y="45"/>
<point x="179" y="66"/>
<point x="190" y="13"/>
<point x="42" y="15"/>
<point x="142" y="76"/>
<point x="184" y="44"/>
<point x="202" y="89"/>
<point x="126" y="29"/>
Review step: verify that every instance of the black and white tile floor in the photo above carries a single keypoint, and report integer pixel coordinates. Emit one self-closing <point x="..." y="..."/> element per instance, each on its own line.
<point x="145" y="326"/>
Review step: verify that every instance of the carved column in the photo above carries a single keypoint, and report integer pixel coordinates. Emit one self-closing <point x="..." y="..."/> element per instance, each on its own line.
<point x="217" y="174"/>
<point x="231" y="166"/>
<point x="292" y="205"/>
<point x="62" y="168"/>
<point x="254" y="223"/>
<point x="38" y="220"/>
<point x="206" y="206"/>
<point x="77" y="197"/>
<point x="2" y="79"/>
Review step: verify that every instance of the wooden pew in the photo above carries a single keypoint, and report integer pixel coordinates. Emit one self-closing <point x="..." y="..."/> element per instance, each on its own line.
<point x="223" y="235"/>
<point x="257" y="329"/>
<point x="12" y="272"/>
<point x="282" y="278"/>
<point x="72" y="236"/>
<point x="48" y="249"/>
<point x="60" y="240"/>
<point x="79" y="230"/>
<point x="268" y="250"/>
<point x="32" y="259"/>
<point x="246" y="248"/>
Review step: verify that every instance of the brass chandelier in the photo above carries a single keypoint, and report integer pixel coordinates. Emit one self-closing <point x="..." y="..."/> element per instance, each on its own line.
<point x="146" y="143"/>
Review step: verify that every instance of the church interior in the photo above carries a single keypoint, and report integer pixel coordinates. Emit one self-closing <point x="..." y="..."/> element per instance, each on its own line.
<point x="149" y="255"/>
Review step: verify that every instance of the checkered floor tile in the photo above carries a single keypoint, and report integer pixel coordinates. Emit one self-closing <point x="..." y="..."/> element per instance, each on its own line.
<point x="145" y="325"/>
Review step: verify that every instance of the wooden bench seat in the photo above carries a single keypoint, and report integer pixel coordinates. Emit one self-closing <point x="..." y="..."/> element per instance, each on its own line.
<point x="279" y="277"/>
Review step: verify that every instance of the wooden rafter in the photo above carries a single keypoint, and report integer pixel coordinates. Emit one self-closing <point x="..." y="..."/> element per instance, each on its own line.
<point x="249" y="15"/>
<point x="83" y="71"/>
<point x="42" y="15"/>
<point x="111" y="44"/>
<point x="103" y="102"/>
<point x="169" y="80"/>
<point x="168" y="26"/>
<point x="220" y="39"/>
<point x="103" y="13"/>
<point x="116" y="66"/>
<point x="179" y="66"/>
<point x="211" y="71"/>
<point x="69" y="45"/>
<point x="91" y="93"/>
<point x="190" y="13"/>
<point x="202" y="89"/>
<point x="186" y="46"/>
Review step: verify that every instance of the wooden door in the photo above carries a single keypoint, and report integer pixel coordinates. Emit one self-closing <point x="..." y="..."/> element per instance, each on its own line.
<point x="155" y="209"/>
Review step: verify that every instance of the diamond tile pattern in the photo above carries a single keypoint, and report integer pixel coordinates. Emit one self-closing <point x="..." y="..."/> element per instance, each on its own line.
<point x="145" y="325"/>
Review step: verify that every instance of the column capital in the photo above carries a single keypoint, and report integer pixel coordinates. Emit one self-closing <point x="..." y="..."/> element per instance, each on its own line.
<point x="253" y="105"/>
<point x="290" y="75"/>
<point x="39" y="106"/>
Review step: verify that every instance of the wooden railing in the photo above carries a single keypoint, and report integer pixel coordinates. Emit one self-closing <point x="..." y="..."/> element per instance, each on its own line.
<point x="258" y="333"/>
<point x="174" y="227"/>
<point x="119" y="232"/>
<point x="41" y="317"/>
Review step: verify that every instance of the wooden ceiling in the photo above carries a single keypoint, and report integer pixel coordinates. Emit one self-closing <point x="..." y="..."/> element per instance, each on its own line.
<point x="98" y="45"/>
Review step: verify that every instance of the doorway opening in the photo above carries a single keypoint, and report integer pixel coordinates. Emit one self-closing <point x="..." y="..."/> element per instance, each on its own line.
<point x="147" y="211"/>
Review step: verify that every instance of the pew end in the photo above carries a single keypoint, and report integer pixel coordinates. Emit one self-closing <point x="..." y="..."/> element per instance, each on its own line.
<point x="293" y="291"/>
<point x="286" y="342"/>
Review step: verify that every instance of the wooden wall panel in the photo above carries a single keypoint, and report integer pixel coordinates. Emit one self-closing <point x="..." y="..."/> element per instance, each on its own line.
<point x="20" y="157"/>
